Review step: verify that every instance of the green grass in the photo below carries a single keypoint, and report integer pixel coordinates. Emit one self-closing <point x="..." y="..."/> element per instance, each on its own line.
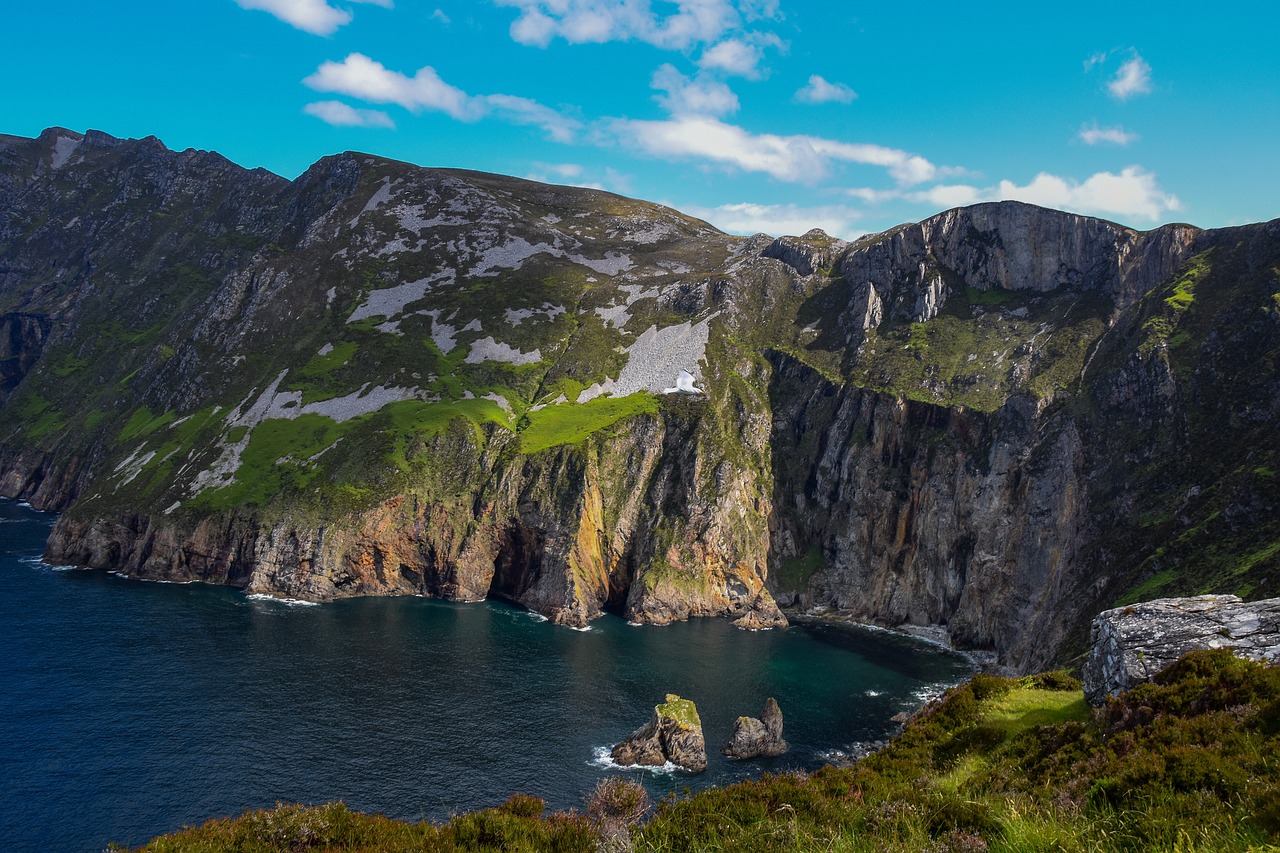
<point x="683" y="711"/>
<point x="794" y="572"/>
<point x="571" y="423"/>
<point x="143" y="423"/>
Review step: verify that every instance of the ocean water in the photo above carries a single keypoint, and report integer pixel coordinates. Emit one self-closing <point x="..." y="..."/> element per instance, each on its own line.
<point x="129" y="709"/>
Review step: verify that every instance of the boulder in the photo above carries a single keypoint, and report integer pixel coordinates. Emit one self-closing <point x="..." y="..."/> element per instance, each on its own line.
<point x="1129" y="645"/>
<point x="674" y="734"/>
<point x="755" y="737"/>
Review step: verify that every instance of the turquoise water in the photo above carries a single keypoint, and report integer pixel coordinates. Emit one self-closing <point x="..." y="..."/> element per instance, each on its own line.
<point x="130" y="709"/>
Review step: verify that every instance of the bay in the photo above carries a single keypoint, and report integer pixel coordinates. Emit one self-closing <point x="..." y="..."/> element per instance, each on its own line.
<point x="128" y="709"/>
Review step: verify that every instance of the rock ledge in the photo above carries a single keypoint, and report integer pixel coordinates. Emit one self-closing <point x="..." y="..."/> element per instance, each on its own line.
<point x="1129" y="645"/>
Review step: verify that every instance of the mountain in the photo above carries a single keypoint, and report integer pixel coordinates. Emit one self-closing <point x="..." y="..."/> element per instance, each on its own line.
<point x="384" y="379"/>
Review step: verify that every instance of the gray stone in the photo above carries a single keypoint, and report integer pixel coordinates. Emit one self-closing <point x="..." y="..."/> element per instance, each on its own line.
<point x="1131" y="644"/>
<point x="754" y="737"/>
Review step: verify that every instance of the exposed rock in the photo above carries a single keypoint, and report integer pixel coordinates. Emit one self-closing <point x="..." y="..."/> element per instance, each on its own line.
<point x="1132" y="644"/>
<point x="763" y="615"/>
<point x="754" y="737"/>
<point x="674" y="734"/>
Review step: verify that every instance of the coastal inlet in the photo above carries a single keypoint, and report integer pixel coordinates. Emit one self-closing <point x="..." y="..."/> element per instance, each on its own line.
<point x="134" y="708"/>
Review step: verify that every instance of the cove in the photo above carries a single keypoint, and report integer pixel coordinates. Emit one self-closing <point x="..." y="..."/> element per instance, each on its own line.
<point x="131" y="708"/>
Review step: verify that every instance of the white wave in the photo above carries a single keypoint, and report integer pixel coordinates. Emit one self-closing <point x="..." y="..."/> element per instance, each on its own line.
<point x="636" y="624"/>
<point x="873" y="693"/>
<point x="584" y="629"/>
<point x="601" y="756"/>
<point x="288" y="602"/>
<point x="536" y="616"/>
<point x="25" y="504"/>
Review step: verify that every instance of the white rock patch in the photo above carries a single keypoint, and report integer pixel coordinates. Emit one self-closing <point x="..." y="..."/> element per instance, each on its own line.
<point x="391" y="301"/>
<point x="515" y="317"/>
<point x="656" y="359"/>
<point x="487" y="349"/>
<point x="382" y="195"/>
<point x="63" y="148"/>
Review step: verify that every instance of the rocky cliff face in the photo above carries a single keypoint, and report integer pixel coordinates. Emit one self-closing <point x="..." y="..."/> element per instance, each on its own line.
<point x="379" y="379"/>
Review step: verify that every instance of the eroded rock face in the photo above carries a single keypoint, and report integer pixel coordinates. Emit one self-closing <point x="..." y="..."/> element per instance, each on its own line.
<point x="755" y="737"/>
<point x="673" y="734"/>
<point x="1132" y="644"/>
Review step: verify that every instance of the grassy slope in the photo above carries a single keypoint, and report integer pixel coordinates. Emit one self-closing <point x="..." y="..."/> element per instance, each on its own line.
<point x="1185" y="764"/>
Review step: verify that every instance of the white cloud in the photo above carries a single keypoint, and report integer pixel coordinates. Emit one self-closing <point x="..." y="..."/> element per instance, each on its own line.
<point x="312" y="16"/>
<point x="1133" y="192"/>
<point x="361" y="77"/>
<point x="820" y="91"/>
<point x="439" y="15"/>
<point x="1133" y="78"/>
<point x="779" y="219"/>
<point x="344" y="115"/>
<point x="733" y="56"/>
<point x="358" y="76"/>
<point x="803" y="159"/>
<point x="516" y="110"/>
<point x="686" y="97"/>
<point x="598" y="21"/>
<point x="1094" y="135"/>
<point x="952" y="195"/>
<point x="1096" y="59"/>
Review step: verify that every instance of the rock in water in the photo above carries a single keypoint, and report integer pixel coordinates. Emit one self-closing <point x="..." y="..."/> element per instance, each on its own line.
<point x="755" y="737"/>
<point x="673" y="734"/>
<point x="1131" y="644"/>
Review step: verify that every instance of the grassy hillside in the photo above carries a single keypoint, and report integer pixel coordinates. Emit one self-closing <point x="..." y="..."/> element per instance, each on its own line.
<point x="1187" y="764"/>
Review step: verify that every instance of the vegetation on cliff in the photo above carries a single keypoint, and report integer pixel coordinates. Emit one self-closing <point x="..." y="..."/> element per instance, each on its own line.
<point x="1186" y="763"/>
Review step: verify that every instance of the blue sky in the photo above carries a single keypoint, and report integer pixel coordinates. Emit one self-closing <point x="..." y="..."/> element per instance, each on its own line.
<point x="757" y="115"/>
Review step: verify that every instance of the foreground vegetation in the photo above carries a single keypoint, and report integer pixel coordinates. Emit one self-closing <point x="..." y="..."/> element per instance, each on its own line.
<point x="1189" y="763"/>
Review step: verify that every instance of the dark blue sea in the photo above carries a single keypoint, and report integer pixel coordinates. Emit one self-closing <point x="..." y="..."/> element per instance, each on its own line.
<point x="129" y="709"/>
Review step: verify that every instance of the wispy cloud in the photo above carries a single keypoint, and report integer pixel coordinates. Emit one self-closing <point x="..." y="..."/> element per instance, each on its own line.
<point x="312" y="16"/>
<point x="779" y="219"/>
<point x="597" y="21"/>
<point x="798" y="159"/>
<point x="1093" y="135"/>
<point x="358" y="76"/>
<point x="685" y="97"/>
<point x="1133" y="78"/>
<point x="516" y="110"/>
<point x="742" y="56"/>
<point x="821" y="91"/>
<point x="345" y="115"/>
<point x="1134" y="193"/>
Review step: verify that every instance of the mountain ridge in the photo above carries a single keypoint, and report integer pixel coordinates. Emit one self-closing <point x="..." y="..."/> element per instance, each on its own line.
<point x="383" y="379"/>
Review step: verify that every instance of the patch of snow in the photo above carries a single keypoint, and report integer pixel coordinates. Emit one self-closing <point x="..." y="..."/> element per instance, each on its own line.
<point x="487" y="349"/>
<point x="654" y="357"/>
<point x="330" y="295"/>
<point x="63" y="148"/>
<point x="325" y="350"/>
<point x="473" y="326"/>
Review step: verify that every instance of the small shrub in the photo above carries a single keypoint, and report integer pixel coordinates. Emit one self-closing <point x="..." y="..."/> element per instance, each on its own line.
<point x="986" y="687"/>
<point x="618" y="802"/>
<point x="524" y="805"/>
<point x="1057" y="680"/>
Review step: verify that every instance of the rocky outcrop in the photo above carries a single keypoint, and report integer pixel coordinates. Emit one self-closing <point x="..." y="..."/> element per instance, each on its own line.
<point x="1130" y="645"/>
<point x="673" y="734"/>
<point x="758" y="737"/>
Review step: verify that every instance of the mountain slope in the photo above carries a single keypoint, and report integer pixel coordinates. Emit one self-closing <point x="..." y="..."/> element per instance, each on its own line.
<point x="381" y="379"/>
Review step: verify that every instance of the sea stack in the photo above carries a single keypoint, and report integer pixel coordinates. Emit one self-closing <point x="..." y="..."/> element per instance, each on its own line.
<point x="674" y="734"/>
<point x="754" y="737"/>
